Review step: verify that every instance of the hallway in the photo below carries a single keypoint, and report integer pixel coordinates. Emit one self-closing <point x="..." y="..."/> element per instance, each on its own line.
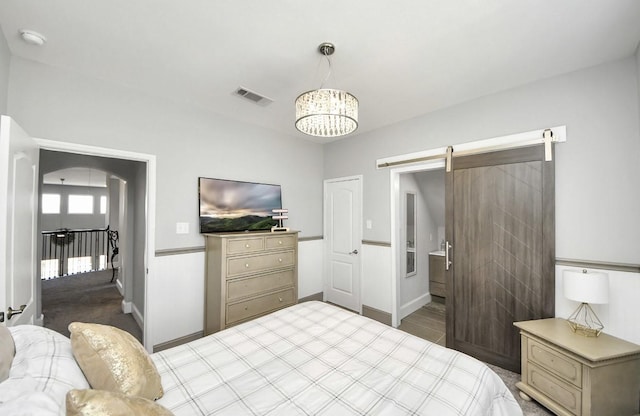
<point x="87" y="297"/>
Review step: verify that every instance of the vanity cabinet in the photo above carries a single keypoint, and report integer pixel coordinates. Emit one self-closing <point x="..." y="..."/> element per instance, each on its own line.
<point x="248" y="275"/>
<point x="436" y="275"/>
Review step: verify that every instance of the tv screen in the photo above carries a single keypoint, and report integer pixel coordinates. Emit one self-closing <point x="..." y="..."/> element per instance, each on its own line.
<point x="228" y="206"/>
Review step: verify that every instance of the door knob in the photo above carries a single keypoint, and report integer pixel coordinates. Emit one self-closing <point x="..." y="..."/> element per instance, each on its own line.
<point x="354" y="252"/>
<point x="11" y="311"/>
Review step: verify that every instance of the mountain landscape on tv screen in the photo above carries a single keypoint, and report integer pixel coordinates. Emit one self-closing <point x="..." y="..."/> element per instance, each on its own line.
<point x="248" y="222"/>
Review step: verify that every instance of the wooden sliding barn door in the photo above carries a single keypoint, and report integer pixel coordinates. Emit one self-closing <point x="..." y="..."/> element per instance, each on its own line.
<point x="500" y="223"/>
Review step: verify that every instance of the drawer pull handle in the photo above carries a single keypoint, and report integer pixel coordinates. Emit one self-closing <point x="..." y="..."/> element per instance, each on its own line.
<point x="247" y="246"/>
<point x="246" y="265"/>
<point x="280" y="299"/>
<point x="280" y="260"/>
<point x="280" y="242"/>
<point x="246" y="308"/>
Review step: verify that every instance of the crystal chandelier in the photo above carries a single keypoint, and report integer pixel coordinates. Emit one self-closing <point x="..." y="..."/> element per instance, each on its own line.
<point x="326" y="112"/>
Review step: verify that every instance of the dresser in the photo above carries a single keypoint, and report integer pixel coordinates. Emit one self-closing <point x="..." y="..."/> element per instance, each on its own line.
<point x="436" y="274"/>
<point x="248" y="275"/>
<point x="571" y="374"/>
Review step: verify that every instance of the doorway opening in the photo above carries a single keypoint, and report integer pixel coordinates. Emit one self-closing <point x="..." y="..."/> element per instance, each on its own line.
<point x="418" y="218"/>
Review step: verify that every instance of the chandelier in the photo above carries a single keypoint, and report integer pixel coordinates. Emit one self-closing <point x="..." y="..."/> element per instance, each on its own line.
<point x="326" y="112"/>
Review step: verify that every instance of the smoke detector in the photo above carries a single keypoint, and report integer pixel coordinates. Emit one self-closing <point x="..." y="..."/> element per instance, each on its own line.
<point x="32" y="38"/>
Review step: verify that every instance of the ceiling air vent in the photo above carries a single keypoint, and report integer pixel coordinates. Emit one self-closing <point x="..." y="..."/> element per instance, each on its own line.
<point x="253" y="96"/>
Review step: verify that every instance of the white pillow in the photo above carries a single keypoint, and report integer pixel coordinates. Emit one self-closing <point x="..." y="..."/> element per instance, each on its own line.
<point x="43" y="363"/>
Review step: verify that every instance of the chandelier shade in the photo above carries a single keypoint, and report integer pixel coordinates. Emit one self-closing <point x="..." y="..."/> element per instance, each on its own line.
<point x="326" y="113"/>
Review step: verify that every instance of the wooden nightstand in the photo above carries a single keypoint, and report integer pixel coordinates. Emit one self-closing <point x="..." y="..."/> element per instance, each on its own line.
<point x="571" y="374"/>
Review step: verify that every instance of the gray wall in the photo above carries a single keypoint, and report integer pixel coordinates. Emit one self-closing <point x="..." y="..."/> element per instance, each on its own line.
<point x="51" y="222"/>
<point x="5" y="58"/>
<point x="597" y="169"/>
<point x="188" y="142"/>
<point x="431" y="185"/>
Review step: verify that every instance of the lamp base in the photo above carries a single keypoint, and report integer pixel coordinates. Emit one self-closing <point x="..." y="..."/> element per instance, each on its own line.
<point x="585" y="322"/>
<point x="279" y="229"/>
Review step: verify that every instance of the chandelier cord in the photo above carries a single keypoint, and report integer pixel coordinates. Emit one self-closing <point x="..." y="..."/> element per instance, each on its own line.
<point x="329" y="72"/>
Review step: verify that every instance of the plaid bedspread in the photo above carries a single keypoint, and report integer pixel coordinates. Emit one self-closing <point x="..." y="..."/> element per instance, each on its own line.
<point x="317" y="359"/>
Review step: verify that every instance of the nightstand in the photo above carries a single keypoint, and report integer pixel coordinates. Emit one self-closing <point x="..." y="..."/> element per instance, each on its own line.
<point x="571" y="374"/>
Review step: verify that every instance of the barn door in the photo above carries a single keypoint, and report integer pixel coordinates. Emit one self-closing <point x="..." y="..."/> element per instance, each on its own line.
<point x="501" y="227"/>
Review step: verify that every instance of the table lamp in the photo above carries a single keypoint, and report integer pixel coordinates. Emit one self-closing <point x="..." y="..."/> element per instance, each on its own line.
<point x="586" y="288"/>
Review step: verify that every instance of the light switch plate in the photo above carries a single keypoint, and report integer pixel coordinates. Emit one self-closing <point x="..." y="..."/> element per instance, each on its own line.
<point x="182" y="228"/>
<point x="369" y="224"/>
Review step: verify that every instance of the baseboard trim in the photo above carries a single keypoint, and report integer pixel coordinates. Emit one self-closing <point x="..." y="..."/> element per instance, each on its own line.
<point x="412" y="306"/>
<point x="315" y="296"/>
<point x="376" y="315"/>
<point x="178" y="341"/>
<point x="119" y="285"/>
<point x="137" y="316"/>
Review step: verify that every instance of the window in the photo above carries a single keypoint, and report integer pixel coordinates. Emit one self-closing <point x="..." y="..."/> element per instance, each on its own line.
<point x="103" y="204"/>
<point x="51" y="203"/>
<point x="80" y="204"/>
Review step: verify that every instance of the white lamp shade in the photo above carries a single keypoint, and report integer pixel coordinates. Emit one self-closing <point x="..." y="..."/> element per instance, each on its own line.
<point x="586" y="287"/>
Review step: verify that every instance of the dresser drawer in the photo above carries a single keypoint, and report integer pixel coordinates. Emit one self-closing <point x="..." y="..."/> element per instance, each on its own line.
<point x="258" y="306"/>
<point x="245" y="245"/>
<point x="564" y="394"/>
<point x="246" y="265"/>
<point x="280" y="241"/>
<point x="241" y="288"/>
<point x="556" y="363"/>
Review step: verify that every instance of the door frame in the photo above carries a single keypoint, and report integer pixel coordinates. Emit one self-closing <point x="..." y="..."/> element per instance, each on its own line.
<point x="357" y="230"/>
<point x="150" y="209"/>
<point x="419" y="161"/>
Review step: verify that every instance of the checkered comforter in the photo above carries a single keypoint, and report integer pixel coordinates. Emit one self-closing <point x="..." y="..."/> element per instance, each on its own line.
<point x="316" y="359"/>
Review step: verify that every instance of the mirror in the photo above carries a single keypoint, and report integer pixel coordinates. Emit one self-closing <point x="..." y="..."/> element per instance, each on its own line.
<point x="411" y="234"/>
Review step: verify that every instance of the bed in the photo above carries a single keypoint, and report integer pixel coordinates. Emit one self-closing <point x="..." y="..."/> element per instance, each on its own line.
<point x="309" y="359"/>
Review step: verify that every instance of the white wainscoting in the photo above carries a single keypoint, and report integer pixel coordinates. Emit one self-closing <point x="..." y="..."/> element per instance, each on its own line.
<point x="376" y="277"/>
<point x="620" y="315"/>
<point x="175" y="297"/>
<point x="176" y="293"/>
<point x="309" y="268"/>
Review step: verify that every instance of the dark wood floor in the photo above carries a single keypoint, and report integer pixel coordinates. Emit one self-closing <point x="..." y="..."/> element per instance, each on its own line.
<point x="427" y="322"/>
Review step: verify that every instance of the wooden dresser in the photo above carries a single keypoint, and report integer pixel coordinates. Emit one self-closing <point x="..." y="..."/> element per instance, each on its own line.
<point x="248" y="275"/>
<point x="571" y="374"/>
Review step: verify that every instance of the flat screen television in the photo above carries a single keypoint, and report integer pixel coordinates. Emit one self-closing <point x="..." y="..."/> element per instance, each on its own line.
<point x="232" y="206"/>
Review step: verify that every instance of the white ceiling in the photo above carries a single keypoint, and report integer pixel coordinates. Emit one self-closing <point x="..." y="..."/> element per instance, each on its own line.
<point x="400" y="58"/>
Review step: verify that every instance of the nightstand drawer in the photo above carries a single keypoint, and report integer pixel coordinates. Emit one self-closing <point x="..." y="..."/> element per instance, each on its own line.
<point x="560" y="365"/>
<point x="564" y="394"/>
<point x="263" y="304"/>
<point x="246" y="265"/>
<point x="240" y="288"/>
<point x="245" y="245"/>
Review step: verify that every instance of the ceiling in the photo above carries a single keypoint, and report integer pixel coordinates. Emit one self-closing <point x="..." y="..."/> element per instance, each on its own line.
<point x="76" y="177"/>
<point x="400" y="59"/>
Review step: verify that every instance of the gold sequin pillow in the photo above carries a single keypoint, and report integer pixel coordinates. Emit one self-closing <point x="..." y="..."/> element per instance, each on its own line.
<point x="108" y="403"/>
<point x="112" y="359"/>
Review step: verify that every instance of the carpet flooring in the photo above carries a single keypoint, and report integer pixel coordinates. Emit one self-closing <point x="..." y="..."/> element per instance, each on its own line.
<point x="428" y="323"/>
<point x="86" y="297"/>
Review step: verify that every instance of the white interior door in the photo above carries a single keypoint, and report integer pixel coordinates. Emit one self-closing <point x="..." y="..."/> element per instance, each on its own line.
<point x="342" y="241"/>
<point x="18" y="227"/>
